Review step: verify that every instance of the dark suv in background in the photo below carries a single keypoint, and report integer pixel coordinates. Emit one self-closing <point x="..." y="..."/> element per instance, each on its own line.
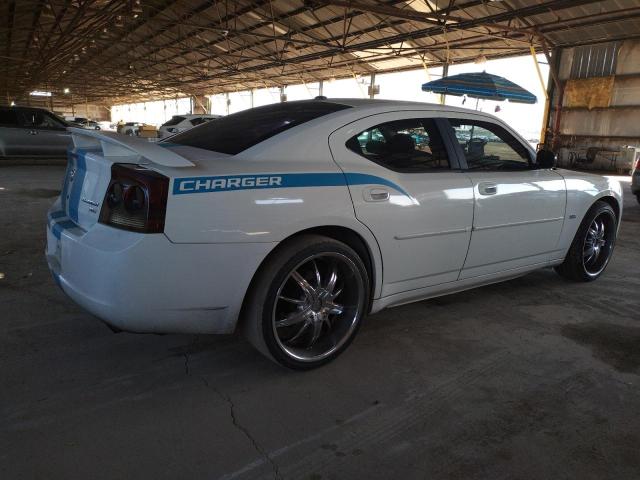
<point x="32" y="132"/>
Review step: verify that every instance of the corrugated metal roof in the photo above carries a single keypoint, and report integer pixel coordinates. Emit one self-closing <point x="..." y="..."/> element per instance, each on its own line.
<point x="163" y="48"/>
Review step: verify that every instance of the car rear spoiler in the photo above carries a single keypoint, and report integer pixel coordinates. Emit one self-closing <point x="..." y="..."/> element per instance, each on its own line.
<point x="117" y="145"/>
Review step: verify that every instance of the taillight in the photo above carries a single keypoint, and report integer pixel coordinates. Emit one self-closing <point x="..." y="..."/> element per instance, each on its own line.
<point x="136" y="199"/>
<point x="637" y="165"/>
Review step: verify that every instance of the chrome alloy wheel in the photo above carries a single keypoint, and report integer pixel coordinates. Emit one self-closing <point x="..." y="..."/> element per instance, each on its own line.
<point x="598" y="244"/>
<point x="317" y="306"/>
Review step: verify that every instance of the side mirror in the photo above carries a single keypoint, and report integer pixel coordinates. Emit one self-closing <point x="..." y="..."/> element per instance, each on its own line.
<point x="546" y="159"/>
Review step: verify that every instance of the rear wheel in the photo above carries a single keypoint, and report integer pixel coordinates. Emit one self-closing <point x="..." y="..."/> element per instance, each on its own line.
<point x="307" y="302"/>
<point x="592" y="246"/>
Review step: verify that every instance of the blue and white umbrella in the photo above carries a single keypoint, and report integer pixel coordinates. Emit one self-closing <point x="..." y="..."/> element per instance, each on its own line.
<point x="480" y="85"/>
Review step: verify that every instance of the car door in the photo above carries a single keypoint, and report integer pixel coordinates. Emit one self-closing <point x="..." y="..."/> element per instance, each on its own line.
<point x="15" y="139"/>
<point x="53" y="135"/>
<point x="407" y="189"/>
<point x="49" y="135"/>
<point x="519" y="209"/>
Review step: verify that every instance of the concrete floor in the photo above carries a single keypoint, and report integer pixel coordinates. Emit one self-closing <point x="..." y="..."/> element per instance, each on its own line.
<point x="534" y="378"/>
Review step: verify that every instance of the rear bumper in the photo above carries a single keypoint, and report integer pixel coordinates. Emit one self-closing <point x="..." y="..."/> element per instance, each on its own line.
<point x="145" y="283"/>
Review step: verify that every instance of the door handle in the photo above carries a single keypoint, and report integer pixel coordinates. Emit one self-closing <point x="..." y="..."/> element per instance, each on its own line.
<point x="376" y="195"/>
<point x="488" y="188"/>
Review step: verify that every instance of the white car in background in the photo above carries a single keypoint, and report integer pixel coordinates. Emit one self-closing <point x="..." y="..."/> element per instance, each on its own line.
<point x="182" y="123"/>
<point x="129" y="128"/>
<point x="293" y="221"/>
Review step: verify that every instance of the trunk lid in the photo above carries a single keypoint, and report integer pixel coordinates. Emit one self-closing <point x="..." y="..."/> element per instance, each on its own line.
<point x="89" y="169"/>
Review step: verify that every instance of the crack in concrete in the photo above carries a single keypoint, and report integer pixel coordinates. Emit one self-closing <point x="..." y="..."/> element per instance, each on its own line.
<point x="187" y="356"/>
<point x="187" y="370"/>
<point x="254" y="443"/>
<point x="234" y="419"/>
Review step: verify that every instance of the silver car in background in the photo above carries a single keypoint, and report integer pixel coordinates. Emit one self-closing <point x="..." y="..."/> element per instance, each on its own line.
<point x="32" y="132"/>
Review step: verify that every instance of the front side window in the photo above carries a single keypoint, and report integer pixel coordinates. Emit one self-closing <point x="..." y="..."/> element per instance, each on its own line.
<point x="487" y="146"/>
<point x="412" y="145"/>
<point x="38" y="119"/>
<point x="237" y="132"/>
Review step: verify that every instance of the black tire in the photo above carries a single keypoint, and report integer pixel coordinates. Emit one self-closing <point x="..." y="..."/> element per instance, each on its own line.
<point x="276" y="293"/>
<point x="638" y="197"/>
<point x="580" y="265"/>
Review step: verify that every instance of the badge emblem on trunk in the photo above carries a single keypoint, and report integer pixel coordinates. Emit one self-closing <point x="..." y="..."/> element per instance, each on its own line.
<point x="93" y="204"/>
<point x="90" y="202"/>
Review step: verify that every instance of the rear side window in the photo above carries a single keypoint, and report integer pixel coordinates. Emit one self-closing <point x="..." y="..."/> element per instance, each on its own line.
<point x="411" y="146"/>
<point x="174" y="121"/>
<point x="234" y="133"/>
<point x="8" y="117"/>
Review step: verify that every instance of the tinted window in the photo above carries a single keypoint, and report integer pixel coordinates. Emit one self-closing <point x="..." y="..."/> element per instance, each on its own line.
<point x="234" y="133"/>
<point x="197" y="121"/>
<point x="8" y="117"/>
<point x="413" y="145"/>
<point x="45" y="120"/>
<point x="40" y="119"/>
<point x="174" y="121"/>
<point x="488" y="146"/>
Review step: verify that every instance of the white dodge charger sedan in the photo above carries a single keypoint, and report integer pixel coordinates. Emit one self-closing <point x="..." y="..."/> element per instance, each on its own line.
<point x="293" y="221"/>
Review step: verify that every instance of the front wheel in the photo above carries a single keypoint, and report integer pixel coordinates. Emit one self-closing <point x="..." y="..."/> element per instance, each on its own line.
<point x="592" y="246"/>
<point x="307" y="302"/>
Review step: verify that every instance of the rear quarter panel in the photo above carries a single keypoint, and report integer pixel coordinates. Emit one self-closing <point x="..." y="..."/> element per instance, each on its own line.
<point x="253" y="213"/>
<point x="263" y="214"/>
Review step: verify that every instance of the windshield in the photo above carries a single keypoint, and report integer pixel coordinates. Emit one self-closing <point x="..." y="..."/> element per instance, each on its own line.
<point x="234" y="133"/>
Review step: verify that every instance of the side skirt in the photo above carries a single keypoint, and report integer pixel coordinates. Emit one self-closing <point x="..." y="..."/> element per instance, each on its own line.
<point x="455" y="287"/>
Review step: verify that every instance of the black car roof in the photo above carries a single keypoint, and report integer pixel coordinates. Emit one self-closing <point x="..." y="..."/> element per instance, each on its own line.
<point x="37" y="109"/>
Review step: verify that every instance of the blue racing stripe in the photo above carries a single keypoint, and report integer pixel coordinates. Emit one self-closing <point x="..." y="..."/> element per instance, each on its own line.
<point x="365" y="179"/>
<point x="228" y="183"/>
<point x="65" y="185"/>
<point x="56" y="278"/>
<point x="59" y="227"/>
<point x="78" y="181"/>
<point x="57" y="214"/>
